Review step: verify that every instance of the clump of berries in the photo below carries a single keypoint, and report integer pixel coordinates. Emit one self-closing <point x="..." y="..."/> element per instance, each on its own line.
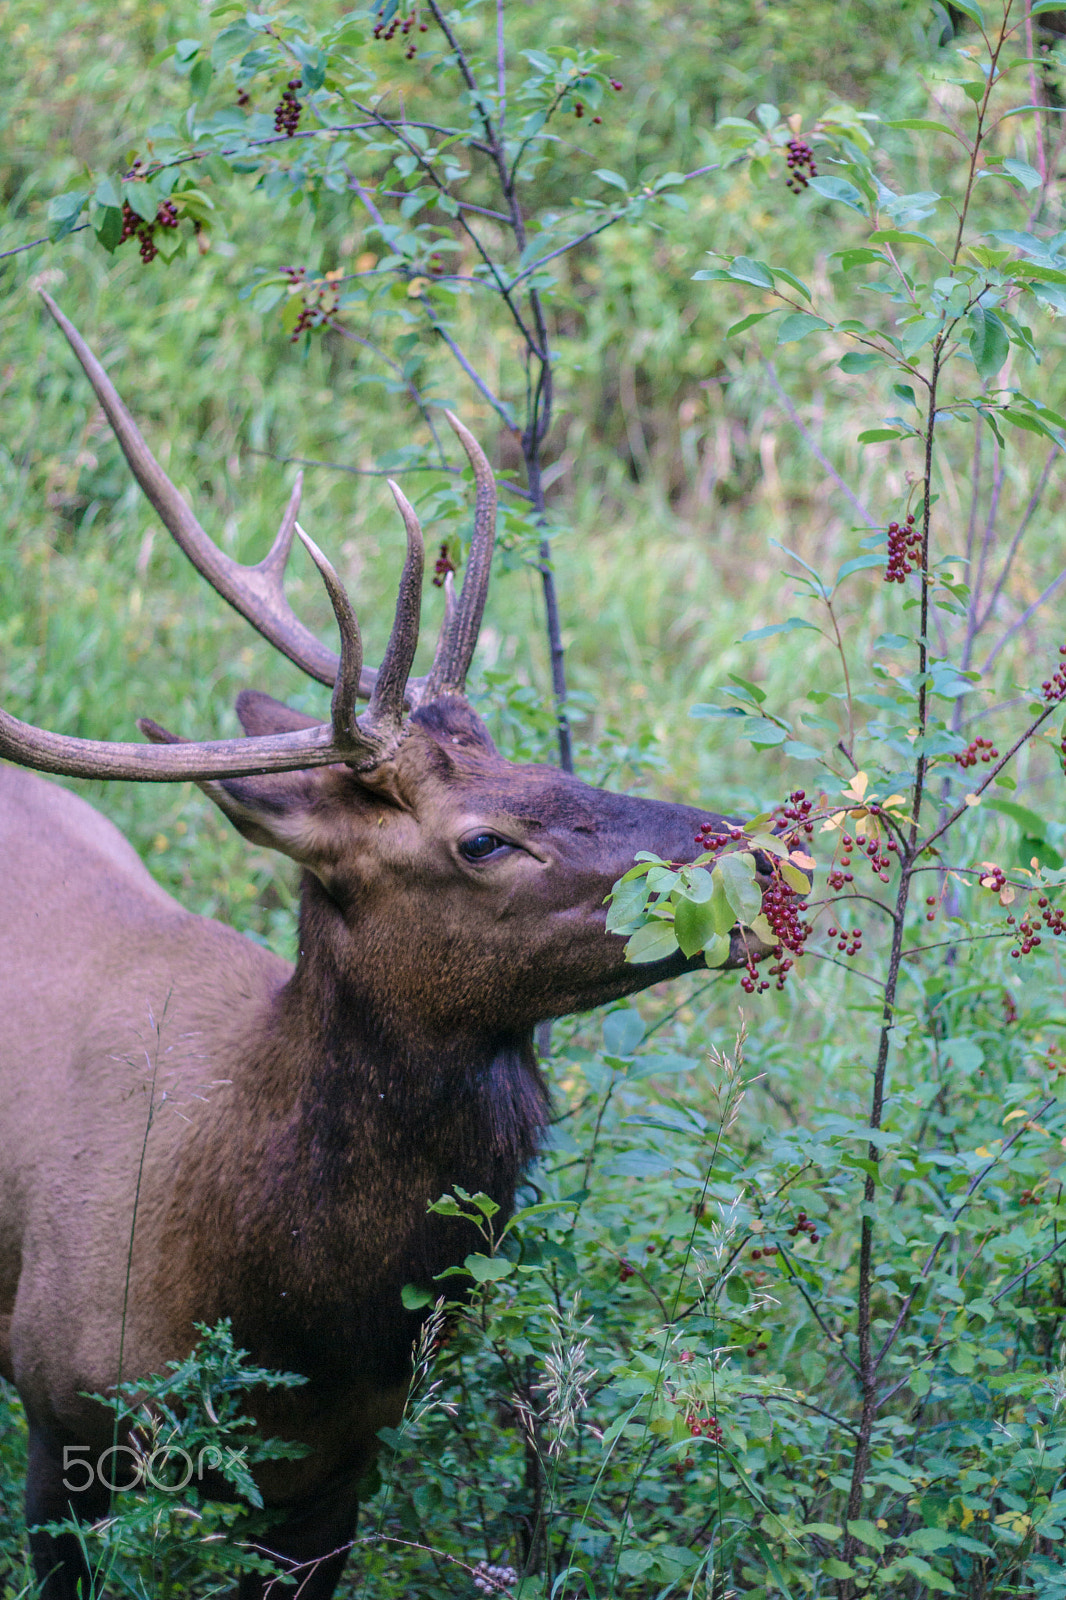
<point x="849" y="944"/>
<point x="995" y="880"/>
<point x="1054" y="688"/>
<point x="492" y="1579"/>
<point x="709" y="838"/>
<point x="243" y="98"/>
<point x="401" y="25"/>
<point x="977" y="750"/>
<point x="784" y="912"/>
<point x="756" y="1348"/>
<point x="1051" y="918"/>
<point x="796" y="811"/>
<point x="287" y="111"/>
<point x="704" y="1427"/>
<point x="626" y="1270"/>
<point x="803" y="1224"/>
<point x="135" y="227"/>
<point x="904" y="549"/>
<point x="1028" y="1198"/>
<point x="801" y="167"/>
<point x="442" y="567"/>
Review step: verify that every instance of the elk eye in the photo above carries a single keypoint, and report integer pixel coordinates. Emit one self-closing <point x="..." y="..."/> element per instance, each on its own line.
<point x="480" y="845"/>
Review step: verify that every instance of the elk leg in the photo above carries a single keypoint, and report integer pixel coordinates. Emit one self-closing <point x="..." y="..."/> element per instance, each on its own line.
<point x="57" y="1558"/>
<point x="312" y="1542"/>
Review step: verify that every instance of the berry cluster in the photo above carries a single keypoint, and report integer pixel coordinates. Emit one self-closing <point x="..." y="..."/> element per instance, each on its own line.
<point x="754" y="1349"/>
<point x="904" y="549"/>
<point x="626" y="1270"/>
<point x="294" y="274"/>
<point x="243" y="98"/>
<point x="977" y="750"/>
<point x="704" y="1427"/>
<point x="1054" y="688"/>
<point x="1028" y="1198"/>
<point x="801" y="167"/>
<point x="443" y="565"/>
<point x="140" y="228"/>
<point x="995" y="879"/>
<point x="287" y="111"/>
<point x="493" y="1580"/>
<point x="784" y="912"/>
<point x="708" y="837"/>
<point x="931" y="902"/>
<point x="796" y="811"/>
<point x="310" y="317"/>
<point x="803" y="1224"/>
<point x="1052" y="918"/>
<point x="402" y="25"/>
<point x="765" y="1250"/>
<point x="849" y="944"/>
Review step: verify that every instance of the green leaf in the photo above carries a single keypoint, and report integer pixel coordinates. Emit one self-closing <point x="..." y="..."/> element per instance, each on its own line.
<point x="790" y="626"/>
<point x="741" y="890"/>
<point x="867" y="1533"/>
<point x="859" y="361"/>
<point x="900" y="236"/>
<point x="1030" y="822"/>
<point x="1026" y="175"/>
<point x="488" y="1269"/>
<point x="797" y="325"/>
<point x="627" y="903"/>
<point x="875" y="435"/>
<point x="768" y="116"/>
<point x="971" y="9"/>
<point x="961" y="1359"/>
<point x="795" y="283"/>
<point x="63" y="213"/>
<point x="615" y="179"/>
<point x="743" y="270"/>
<point x="748" y="322"/>
<point x="717" y="952"/>
<point x="108" y="226"/>
<point x="795" y="877"/>
<point x="141" y="200"/>
<point x="654" y="942"/>
<point x="860" y="563"/>
<point x="233" y="41"/>
<point x="922" y="125"/>
<point x="414" y="1298"/>
<point x="694" y="925"/>
<point x="622" y="1031"/>
<point x="737" y="1290"/>
<point x="839" y="189"/>
<point x="989" y="341"/>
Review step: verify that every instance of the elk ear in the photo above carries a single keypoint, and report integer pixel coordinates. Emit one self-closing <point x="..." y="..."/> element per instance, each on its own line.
<point x="281" y="810"/>
<point x="260" y="714"/>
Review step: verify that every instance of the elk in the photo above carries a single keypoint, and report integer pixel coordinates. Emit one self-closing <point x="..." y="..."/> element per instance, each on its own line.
<point x="304" y="1116"/>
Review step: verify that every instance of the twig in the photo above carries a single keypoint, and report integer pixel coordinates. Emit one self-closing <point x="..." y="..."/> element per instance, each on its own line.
<point x="816" y="451"/>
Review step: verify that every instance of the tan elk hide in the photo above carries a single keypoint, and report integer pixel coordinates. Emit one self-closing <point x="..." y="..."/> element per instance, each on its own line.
<point x="302" y="1118"/>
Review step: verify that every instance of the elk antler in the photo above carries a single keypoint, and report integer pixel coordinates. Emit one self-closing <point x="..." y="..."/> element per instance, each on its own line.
<point x="256" y="592"/>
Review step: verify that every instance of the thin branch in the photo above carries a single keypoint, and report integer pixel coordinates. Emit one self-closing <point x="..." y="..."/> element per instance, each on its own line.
<point x="1034" y="501"/>
<point x="1024" y="618"/>
<point x="812" y="445"/>
<point x="930" y="1260"/>
<point x="1007" y="1287"/>
<point x="475" y="377"/>
<point x="993" y="773"/>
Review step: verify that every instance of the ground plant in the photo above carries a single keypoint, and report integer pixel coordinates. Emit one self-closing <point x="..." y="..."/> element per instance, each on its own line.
<point x="783" y="1308"/>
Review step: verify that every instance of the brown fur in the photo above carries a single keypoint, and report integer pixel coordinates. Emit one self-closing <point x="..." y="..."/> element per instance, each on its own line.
<point x="301" y="1119"/>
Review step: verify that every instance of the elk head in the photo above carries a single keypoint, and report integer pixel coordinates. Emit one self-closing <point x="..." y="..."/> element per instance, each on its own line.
<point x="414" y="832"/>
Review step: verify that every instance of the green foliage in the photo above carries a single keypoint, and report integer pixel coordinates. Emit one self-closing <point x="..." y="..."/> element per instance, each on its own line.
<point x="185" y="1439"/>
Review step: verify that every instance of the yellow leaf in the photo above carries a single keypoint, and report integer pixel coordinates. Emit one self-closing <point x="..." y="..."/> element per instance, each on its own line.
<point x="973" y="799"/>
<point x="415" y="288"/>
<point x="856" y="789"/>
<point x="805" y="862"/>
<point x="835" y="821"/>
<point x="1012" y="1116"/>
<point x="1007" y="896"/>
<point x="967" y="1516"/>
<point x="983" y="1151"/>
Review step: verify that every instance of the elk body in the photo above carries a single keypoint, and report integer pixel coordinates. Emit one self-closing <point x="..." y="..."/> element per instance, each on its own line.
<point x="276" y="1133"/>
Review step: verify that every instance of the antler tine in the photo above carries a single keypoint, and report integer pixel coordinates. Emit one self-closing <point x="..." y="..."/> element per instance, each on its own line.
<point x="255" y="592"/>
<point x="455" y="648"/>
<point x="346" y="688"/>
<point x="387" y="701"/>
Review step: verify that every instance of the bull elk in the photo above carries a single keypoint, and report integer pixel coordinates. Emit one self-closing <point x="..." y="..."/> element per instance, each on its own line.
<point x="450" y="901"/>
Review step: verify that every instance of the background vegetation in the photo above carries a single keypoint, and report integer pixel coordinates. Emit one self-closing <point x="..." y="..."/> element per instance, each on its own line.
<point x="662" y="1390"/>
